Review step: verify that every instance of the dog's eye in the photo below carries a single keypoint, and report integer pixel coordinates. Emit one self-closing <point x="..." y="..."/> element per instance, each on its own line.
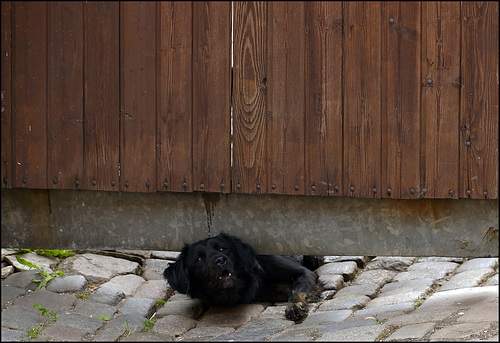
<point x="199" y="259"/>
<point x="222" y="249"/>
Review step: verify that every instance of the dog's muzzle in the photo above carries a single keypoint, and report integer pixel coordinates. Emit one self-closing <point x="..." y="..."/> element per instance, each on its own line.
<point x="221" y="262"/>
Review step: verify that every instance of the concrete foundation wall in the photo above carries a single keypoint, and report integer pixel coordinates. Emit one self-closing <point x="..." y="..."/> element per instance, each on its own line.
<point x="69" y="219"/>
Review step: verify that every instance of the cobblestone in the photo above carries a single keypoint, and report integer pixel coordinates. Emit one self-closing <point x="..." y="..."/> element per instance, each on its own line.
<point x="379" y="299"/>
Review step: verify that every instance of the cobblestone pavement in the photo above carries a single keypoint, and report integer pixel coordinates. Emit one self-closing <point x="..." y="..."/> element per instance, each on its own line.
<point x="121" y="296"/>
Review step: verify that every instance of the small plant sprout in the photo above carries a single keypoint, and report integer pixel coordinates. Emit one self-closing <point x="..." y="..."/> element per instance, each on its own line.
<point x="378" y="321"/>
<point x="126" y="329"/>
<point x="417" y="302"/>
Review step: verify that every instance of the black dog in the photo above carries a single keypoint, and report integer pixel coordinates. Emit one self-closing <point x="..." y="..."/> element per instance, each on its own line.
<point x="223" y="270"/>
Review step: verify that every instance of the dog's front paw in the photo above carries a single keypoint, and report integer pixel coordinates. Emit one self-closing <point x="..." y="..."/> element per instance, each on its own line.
<point x="297" y="308"/>
<point x="297" y="311"/>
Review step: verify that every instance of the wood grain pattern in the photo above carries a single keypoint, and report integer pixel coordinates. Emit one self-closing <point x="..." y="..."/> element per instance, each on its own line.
<point x="286" y="102"/>
<point x="249" y="97"/>
<point x="362" y="99"/>
<point x="138" y="96"/>
<point x="29" y="94"/>
<point x="175" y="97"/>
<point x="401" y="100"/>
<point x="102" y="95"/>
<point x="6" y="94"/>
<point x="323" y="98"/>
<point x="65" y="94"/>
<point x="328" y="98"/>
<point x="479" y="101"/>
<point x="440" y="99"/>
<point x="212" y="96"/>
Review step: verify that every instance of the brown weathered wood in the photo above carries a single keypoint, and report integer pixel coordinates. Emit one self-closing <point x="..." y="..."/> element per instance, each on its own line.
<point x="6" y="95"/>
<point x="440" y="99"/>
<point x="362" y="99"/>
<point x="102" y="95"/>
<point x="249" y="97"/>
<point x="401" y="99"/>
<point x="326" y="96"/>
<point x="323" y="98"/>
<point x="479" y="101"/>
<point x="138" y="96"/>
<point x="211" y="96"/>
<point x="65" y="94"/>
<point x="29" y="93"/>
<point x="175" y="101"/>
<point x="286" y="102"/>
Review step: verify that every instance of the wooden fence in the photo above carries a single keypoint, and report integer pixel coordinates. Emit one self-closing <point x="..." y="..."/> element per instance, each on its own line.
<point x="366" y="99"/>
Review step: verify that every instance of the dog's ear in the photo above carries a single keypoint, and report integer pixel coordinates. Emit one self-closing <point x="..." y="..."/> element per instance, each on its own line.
<point x="177" y="275"/>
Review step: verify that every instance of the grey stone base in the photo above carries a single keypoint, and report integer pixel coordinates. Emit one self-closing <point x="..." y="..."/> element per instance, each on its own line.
<point x="71" y="219"/>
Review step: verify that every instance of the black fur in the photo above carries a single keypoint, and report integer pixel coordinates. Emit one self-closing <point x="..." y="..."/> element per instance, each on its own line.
<point x="223" y="270"/>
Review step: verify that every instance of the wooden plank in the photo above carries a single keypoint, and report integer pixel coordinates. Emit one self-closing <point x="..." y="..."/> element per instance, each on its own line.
<point x="323" y="98"/>
<point x="65" y="94"/>
<point x="6" y="95"/>
<point x="440" y="99"/>
<point x="29" y="94"/>
<point x="102" y="95"/>
<point x="175" y="98"/>
<point x="211" y="96"/>
<point x="286" y="99"/>
<point x="401" y="100"/>
<point x="479" y="101"/>
<point x="362" y="99"/>
<point x="249" y="97"/>
<point x="138" y="96"/>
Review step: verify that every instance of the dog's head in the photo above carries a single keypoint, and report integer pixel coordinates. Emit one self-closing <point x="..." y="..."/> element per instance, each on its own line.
<point x="215" y="269"/>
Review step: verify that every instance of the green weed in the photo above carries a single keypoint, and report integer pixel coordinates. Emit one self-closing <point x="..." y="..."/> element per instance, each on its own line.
<point x="54" y="253"/>
<point x="149" y="323"/>
<point x="82" y="295"/>
<point x="46" y="252"/>
<point x="32" y="334"/>
<point x="48" y="276"/>
<point x="46" y="312"/>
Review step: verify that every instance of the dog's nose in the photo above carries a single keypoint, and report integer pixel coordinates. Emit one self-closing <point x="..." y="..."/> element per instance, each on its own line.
<point x="221" y="260"/>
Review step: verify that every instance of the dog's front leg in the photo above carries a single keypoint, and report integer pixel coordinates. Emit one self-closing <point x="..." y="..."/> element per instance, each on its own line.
<point x="298" y="301"/>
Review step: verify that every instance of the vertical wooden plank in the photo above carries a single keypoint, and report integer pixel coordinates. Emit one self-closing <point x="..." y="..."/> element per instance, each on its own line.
<point x="479" y="101"/>
<point x="30" y="94"/>
<point x="401" y="100"/>
<point x="286" y="99"/>
<point x="362" y="99"/>
<point x="138" y="96"/>
<point x="249" y="97"/>
<point x="6" y="94"/>
<point x="440" y="99"/>
<point x="101" y="95"/>
<point x="175" y="97"/>
<point x="211" y="96"/>
<point x="323" y="98"/>
<point x="65" y="94"/>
